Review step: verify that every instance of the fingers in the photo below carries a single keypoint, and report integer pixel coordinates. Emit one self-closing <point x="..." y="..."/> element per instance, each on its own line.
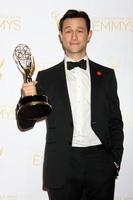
<point x="29" y="89"/>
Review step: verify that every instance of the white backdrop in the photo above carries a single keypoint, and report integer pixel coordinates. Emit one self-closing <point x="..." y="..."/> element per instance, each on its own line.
<point x="35" y="23"/>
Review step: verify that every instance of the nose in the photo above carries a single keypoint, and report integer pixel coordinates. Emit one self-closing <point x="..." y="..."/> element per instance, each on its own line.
<point x="74" y="35"/>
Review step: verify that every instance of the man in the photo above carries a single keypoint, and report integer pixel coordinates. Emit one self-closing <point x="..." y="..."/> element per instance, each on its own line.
<point x="84" y="140"/>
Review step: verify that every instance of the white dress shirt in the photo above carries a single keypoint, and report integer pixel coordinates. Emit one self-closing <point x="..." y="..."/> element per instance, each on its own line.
<point x="79" y="90"/>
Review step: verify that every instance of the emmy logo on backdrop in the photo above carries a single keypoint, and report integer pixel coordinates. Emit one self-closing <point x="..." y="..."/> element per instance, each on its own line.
<point x="29" y="107"/>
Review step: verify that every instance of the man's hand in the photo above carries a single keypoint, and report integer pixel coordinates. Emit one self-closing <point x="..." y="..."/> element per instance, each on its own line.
<point x="29" y="89"/>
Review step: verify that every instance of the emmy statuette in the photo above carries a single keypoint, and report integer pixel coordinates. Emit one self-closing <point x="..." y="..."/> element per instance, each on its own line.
<point x="29" y="107"/>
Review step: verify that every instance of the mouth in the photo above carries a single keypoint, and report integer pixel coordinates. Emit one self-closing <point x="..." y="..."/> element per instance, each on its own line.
<point x="74" y="44"/>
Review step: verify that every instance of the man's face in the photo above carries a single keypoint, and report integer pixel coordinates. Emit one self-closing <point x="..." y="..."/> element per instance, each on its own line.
<point x="74" y="36"/>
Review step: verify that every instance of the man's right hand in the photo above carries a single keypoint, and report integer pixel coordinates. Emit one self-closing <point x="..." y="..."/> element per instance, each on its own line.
<point x="29" y="89"/>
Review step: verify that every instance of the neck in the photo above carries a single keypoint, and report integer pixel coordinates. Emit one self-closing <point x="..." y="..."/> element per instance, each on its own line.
<point x="75" y="57"/>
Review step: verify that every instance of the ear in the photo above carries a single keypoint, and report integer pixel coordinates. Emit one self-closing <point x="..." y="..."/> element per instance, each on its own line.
<point x="89" y="36"/>
<point x="60" y="36"/>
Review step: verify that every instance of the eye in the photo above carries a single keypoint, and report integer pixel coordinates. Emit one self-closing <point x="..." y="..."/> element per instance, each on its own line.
<point x="80" y="31"/>
<point x="68" y="31"/>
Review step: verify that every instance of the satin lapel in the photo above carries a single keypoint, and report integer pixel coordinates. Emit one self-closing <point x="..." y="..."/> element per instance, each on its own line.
<point x="96" y="80"/>
<point x="95" y="76"/>
<point x="62" y="91"/>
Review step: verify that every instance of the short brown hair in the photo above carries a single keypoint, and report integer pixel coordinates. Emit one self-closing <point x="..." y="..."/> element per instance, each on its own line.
<point x="75" y="14"/>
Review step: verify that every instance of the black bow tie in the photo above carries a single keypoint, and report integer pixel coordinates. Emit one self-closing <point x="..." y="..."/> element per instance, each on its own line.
<point x="81" y="64"/>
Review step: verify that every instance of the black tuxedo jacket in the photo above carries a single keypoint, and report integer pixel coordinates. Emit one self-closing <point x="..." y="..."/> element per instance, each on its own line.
<point x="106" y="120"/>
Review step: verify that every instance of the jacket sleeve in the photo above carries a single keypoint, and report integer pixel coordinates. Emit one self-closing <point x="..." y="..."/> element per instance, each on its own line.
<point x="115" y="122"/>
